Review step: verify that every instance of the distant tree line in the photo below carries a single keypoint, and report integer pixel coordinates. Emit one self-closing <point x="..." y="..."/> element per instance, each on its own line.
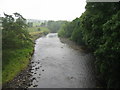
<point x="54" y="26"/>
<point x="99" y="28"/>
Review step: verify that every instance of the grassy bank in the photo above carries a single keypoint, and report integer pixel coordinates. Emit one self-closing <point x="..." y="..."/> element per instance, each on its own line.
<point x="37" y="32"/>
<point x="16" y="60"/>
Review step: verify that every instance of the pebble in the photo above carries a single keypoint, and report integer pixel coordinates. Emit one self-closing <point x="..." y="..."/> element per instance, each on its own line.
<point x="32" y="62"/>
<point x="35" y="85"/>
<point x="34" y="78"/>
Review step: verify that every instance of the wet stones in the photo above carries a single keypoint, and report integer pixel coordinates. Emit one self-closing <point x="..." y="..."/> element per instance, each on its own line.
<point x="29" y="84"/>
<point x="35" y="85"/>
<point x="38" y="77"/>
<point x="71" y="77"/>
<point x="32" y="72"/>
<point x="31" y="69"/>
<point x="36" y="68"/>
<point x="32" y="62"/>
<point x="35" y="73"/>
<point x="33" y="79"/>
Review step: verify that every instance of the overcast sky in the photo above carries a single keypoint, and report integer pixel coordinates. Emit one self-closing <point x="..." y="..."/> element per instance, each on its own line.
<point x="44" y="9"/>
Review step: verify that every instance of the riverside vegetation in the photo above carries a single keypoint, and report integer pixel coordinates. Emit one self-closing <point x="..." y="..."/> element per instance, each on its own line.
<point x="17" y="45"/>
<point x="99" y="29"/>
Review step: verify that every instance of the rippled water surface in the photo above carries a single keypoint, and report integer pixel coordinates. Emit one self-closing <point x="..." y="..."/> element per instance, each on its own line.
<point x="56" y="65"/>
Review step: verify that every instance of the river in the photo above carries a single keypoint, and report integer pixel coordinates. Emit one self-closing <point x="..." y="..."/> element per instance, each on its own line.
<point x="57" y="65"/>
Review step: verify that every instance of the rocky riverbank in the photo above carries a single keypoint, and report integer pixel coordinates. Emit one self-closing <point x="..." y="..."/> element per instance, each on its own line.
<point x="22" y="80"/>
<point x="74" y="45"/>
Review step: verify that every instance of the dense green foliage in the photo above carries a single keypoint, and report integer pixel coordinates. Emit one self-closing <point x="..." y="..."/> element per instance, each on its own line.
<point x="72" y="30"/>
<point x="17" y="46"/>
<point x="99" y="28"/>
<point x="14" y="32"/>
<point x="100" y="25"/>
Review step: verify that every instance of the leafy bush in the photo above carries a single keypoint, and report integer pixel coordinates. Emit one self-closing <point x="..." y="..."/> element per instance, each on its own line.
<point x="17" y="46"/>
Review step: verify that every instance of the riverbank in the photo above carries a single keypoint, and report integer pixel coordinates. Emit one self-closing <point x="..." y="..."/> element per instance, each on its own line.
<point x="74" y="45"/>
<point x="18" y="74"/>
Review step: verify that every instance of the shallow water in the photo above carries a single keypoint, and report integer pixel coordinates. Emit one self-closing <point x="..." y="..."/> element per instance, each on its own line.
<point x="56" y="65"/>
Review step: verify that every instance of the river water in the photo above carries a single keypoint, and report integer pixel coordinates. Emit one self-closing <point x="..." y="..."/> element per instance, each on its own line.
<point x="56" y="65"/>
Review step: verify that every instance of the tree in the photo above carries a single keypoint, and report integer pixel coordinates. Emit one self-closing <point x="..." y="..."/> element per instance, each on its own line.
<point x="54" y="26"/>
<point x="14" y="33"/>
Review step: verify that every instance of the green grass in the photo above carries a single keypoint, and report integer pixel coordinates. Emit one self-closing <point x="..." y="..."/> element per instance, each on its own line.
<point x="15" y="61"/>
